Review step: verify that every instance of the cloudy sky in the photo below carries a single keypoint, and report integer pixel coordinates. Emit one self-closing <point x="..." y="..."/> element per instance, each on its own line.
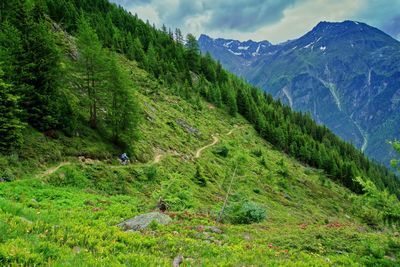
<point x="272" y="20"/>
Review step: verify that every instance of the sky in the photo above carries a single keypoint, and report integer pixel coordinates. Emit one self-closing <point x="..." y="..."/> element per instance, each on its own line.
<point x="273" y="20"/>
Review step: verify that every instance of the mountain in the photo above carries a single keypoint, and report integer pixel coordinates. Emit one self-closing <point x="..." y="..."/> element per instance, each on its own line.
<point x="234" y="55"/>
<point x="345" y="74"/>
<point x="220" y="174"/>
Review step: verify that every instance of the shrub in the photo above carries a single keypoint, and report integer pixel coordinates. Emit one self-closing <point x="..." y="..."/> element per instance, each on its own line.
<point x="222" y="151"/>
<point x="176" y="192"/>
<point x="199" y="177"/>
<point x="69" y="176"/>
<point x="263" y="162"/>
<point x="371" y="216"/>
<point x="257" y="190"/>
<point x="245" y="212"/>
<point x="257" y="152"/>
<point x="150" y="172"/>
<point x="284" y="171"/>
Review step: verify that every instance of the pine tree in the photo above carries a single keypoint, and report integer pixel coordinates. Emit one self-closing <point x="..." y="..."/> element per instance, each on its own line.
<point x="122" y="111"/>
<point x="178" y="36"/>
<point x="43" y="103"/>
<point x="192" y="53"/>
<point x="10" y="125"/>
<point x="91" y="65"/>
<point x="231" y="103"/>
<point x="151" y="60"/>
<point x="11" y="51"/>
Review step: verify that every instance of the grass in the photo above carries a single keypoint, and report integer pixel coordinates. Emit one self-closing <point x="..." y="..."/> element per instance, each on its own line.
<point x="68" y="218"/>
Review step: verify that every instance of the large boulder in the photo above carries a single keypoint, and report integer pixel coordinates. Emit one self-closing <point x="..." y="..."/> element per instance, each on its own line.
<point x="141" y="222"/>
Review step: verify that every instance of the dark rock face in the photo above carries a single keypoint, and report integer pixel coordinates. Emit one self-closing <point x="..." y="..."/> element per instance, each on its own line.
<point x="347" y="75"/>
<point x="141" y="222"/>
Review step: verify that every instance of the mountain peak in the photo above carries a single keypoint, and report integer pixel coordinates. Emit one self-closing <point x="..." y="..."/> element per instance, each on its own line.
<point x="205" y="37"/>
<point x="244" y="49"/>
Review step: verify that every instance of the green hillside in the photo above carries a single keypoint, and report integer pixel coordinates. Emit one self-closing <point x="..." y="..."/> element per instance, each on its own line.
<point x="67" y="215"/>
<point x="198" y="138"/>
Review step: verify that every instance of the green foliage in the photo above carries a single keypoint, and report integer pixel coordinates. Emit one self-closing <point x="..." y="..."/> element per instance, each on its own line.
<point x="199" y="177"/>
<point x="284" y="171"/>
<point x="109" y="94"/>
<point x="222" y="151"/>
<point x="67" y="218"/>
<point x="151" y="172"/>
<point x="123" y="113"/>
<point x="381" y="205"/>
<point x="395" y="162"/>
<point x="10" y="125"/>
<point x="69" y="176"/>
<point x="168" y="60"/>
<point x="176" y="192"/>
<point x="91" y="67"/>
<point x="257" y="152"/>
<point x="245" y="212"/>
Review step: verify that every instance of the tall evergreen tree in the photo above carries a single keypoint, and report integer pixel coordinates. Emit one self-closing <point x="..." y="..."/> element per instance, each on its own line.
<point x="10" y="125"/>
<point x="122" y="111"/>
<point x="192" y="53"/>
<point x="43" y="103"/>
<point x="91" y="66"/>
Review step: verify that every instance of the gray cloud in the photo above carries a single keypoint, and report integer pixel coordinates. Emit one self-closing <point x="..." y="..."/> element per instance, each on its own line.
<point x="177" y="12"/>
<point x="274" y="20"/>
<point x="392" y="27"/>
<point x="246" y="15"/>
<point x="240" y="15"/>
<point x="129" y="3"/>
<point x="384" y="14"/>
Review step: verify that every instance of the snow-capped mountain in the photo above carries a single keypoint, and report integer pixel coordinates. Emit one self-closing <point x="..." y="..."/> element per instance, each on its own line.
<point x="345" y="74"/>
<point x="247" y="50"/>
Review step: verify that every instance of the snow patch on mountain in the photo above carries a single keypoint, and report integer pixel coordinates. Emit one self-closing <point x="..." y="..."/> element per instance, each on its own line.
<point x="235" y="53"/>
<point x="227" y="45"/>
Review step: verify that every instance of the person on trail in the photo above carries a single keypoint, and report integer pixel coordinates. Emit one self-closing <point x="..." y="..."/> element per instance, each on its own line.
<point x="124" y="158"/>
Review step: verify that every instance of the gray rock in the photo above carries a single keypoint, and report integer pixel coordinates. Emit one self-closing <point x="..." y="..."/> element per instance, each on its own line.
<point x="177" y="261"/>
<point x="141" y="222"/>
<point x="188" y="128"/>
<point x="213" y="229"/>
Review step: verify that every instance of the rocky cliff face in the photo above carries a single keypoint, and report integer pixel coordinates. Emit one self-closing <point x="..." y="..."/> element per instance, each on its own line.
<point x="347" y="75"/>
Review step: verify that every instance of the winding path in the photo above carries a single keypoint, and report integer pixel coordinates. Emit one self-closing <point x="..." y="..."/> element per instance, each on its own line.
<point x="54" y="169"/>
<point x="157" y="158"/>
<point x="198" y="152"/>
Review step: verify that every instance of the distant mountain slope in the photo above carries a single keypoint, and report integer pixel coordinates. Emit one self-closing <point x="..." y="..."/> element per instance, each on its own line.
<point x="345" y="74"/>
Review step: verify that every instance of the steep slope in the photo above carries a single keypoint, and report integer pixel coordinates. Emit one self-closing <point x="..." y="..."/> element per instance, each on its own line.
<point x="63" y="192"/>
<point x="344" y="74"/>
<point x="68" y="217"/>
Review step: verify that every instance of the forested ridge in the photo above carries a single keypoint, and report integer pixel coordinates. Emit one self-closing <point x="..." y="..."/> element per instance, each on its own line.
<point x="36" y="85"/>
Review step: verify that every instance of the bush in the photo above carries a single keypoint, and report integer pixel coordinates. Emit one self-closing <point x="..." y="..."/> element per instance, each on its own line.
<point x="263" y="162"/>
<point x="245" y="212"/>
<point x="257" y="190"/>
<point x="150" y="172"/>
<point x="222" y="151"/>
<point x="199" y="177"/>
<point x="284" y="171"/>
<point x="257" y="152"/>
<point x="69" y="176"/>
<point x="371" y="217"/>
<point x="176" y="192"/>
